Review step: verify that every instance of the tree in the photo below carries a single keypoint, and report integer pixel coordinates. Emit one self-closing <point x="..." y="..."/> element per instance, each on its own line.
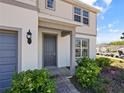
<point x="117" y="43"/>
<point x="122" y="37"/>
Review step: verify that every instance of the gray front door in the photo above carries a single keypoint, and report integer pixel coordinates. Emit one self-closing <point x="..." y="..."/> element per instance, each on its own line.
<point x="8" y="58"/>
<point x="49" y="50"/>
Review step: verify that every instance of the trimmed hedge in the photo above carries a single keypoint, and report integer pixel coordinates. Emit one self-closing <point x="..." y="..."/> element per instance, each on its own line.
<point x="32" y="81"/>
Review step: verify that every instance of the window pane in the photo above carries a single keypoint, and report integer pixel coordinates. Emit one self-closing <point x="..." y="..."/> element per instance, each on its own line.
<point x="85" y="13"/>
<point x="77" y="10"/>
<point x="78" y="52"/>
<point x="78" y="43"/>
<point x="86" y="21"/>
<point x="50" y="3"/>
<point x="85" y="52"/>
<point x="84" y="43"/>
<point x="77" y="18"/>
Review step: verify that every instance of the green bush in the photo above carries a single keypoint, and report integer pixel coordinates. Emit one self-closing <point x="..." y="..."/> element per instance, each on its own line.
<point x="103" y="62"/>
<point x="87" y="72"/>
<point x="36" y="81"/>
<point x="101" y="85"/>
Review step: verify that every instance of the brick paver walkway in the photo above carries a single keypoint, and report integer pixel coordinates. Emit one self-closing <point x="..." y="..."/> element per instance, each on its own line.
<point x="62" y="76"/>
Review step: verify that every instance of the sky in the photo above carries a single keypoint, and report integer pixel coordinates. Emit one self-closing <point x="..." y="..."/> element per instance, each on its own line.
<point x="110" y="21"/>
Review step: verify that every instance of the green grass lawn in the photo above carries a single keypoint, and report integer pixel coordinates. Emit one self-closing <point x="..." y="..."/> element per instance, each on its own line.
<point x="116" y="62"/>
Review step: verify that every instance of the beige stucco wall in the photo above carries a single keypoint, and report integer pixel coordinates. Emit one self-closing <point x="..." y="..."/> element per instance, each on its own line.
<point x="63" y="47"/>
<point x="88" y="29"/>
<point x="24" y="19"/>
<point x="62" y="9"/>
<point x="65" y="10"/>
<point x="30" y="2"/>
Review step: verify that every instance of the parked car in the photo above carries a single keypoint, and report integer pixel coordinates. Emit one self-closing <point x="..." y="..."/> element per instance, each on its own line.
<point x="116" y="55"/>
<point x="122" y="56"/>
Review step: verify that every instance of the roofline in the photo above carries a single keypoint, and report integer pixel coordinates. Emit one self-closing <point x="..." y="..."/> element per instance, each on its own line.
<point x="83" y="5"/>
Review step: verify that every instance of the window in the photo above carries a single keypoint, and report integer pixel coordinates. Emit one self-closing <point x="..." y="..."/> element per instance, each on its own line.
<point x="85" y="17"/>
<point x="81" y="15"/>
<point x="77" y="14"/>
<point x="85" y="13"/>
<point x="82" y="47"/>
<point x="50" y="4"/>
<point x="77" y="18"/>
<point x="77" y="10"/>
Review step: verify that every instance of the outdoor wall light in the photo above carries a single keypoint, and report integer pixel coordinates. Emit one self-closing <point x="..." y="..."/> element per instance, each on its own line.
<point x="29" y="37"/>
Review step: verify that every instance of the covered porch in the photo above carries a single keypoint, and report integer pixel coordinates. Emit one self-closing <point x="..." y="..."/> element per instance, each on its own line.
<point x="56" y="43"/>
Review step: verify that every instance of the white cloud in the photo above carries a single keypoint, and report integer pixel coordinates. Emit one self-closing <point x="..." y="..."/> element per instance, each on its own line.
<point x="108" y="2"/>
<point x="104" y="6"/>
<point x="110" y="25"/>
<point x="114" y="23"/>
<point x="98" y="29"/>
<point x="98" y="7"/>
<point x="114" y="30"/>
<point x="101" y="28"/>
<point x="90" y="2"/>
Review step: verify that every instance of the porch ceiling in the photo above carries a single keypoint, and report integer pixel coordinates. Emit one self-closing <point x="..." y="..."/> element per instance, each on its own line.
<point x="65" y="33"/>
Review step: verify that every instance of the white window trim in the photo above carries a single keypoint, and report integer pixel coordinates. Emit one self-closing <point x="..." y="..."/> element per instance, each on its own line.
<point x="81" y="48"/>
<point x="86" y="17"/>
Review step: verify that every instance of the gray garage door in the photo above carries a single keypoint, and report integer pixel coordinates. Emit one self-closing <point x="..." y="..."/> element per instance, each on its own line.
<point x="8" y="58"/>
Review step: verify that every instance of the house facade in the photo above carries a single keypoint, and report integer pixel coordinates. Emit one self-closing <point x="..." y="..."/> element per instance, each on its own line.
<point x="44" y="33"/>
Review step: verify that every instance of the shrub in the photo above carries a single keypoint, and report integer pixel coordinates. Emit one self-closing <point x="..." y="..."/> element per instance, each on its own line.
<point x="101" y="85"/>
<point x="36" y="81"/>
<point x="103" y="62"/>
<point x="87" y="72"/>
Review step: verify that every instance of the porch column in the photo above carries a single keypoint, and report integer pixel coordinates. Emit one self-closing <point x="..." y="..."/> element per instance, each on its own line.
<point x="72" y="52"/>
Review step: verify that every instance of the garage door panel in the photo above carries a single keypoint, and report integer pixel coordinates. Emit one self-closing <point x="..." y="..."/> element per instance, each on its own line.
<point x="7" y="39"/>
<point x="7" y="53"/>
<point x="5" y="83"/>
<point x="7" y="68"/>
<point x="2" y="90"/>
<point x="8" y="57"/>
<point x="7" y="60"/>
<point x="7" y="46"/>
<point x="6" y="76"/>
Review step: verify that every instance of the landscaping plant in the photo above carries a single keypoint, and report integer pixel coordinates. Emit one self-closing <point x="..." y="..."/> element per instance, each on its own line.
<point x="87" y="72"/>
<point x="32" y="81"/>
<point x="103" y="62"/>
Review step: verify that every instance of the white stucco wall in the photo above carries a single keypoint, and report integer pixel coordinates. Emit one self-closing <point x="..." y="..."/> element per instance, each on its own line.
<point x="17" y="17"/>
<point x="92" y="44"/>
<point x="63" y="47"/>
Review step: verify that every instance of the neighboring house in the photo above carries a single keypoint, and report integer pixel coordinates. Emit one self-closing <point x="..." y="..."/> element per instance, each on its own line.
<point x="56" y="26"/>
<point x="112" y="48"/>
<point x="101" y="48"/>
